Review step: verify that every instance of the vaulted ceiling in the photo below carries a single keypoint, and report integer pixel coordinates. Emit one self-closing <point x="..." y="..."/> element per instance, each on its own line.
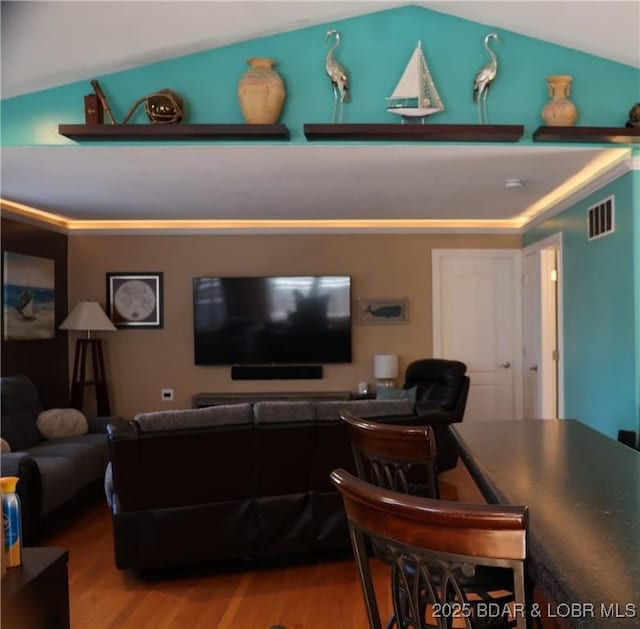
<point x="51" y="43"/>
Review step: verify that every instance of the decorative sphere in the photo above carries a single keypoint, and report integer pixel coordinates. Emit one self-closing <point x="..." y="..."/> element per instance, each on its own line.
<point x="634" y="116"/>
<point x="164" y="107"/>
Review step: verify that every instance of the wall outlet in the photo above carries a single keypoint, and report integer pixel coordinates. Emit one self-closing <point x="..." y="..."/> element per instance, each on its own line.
<point x="166" y="394"/>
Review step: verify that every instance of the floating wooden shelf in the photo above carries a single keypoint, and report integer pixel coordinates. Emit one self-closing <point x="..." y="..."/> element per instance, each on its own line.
<point x="609" y="135"/>
<point x="175" y="131"/>
<point x="415" y="132"/>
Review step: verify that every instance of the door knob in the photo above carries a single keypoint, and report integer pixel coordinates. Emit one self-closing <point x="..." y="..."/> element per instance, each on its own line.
<point x="534" y="368"/>
<point x="505" y="365"/>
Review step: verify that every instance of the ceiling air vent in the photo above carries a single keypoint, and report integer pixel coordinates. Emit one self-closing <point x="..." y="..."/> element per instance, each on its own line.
<point x="601" y="218"/>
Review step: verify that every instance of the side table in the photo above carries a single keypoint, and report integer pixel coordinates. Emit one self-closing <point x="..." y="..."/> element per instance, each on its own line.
<point x="36" y="594"/>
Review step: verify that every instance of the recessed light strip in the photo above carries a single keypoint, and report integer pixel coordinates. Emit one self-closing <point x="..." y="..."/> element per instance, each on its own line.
<point x="606" y="161"/>
<point x="250" y="225"/>
<point x="33" y="213"/>
<point x="312" y="224"/>
<point x="597" y="167"/>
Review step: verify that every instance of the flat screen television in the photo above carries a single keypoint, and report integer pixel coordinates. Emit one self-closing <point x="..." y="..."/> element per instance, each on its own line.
<point x="272" y="320"/>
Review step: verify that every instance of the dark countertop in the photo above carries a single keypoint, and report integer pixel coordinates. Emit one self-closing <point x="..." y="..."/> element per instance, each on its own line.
<point x="583" y="493"/>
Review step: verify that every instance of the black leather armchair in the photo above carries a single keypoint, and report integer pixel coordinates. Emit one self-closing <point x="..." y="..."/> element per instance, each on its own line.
<point x="442" y="389"/>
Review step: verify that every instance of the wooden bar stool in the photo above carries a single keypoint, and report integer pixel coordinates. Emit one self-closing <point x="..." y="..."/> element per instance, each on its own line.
<point x="401" y="458"/>
<point x="436" y="549"/>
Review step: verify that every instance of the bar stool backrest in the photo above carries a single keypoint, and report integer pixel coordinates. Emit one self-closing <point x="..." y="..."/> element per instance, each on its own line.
<point x="439" y="550"/>
<point x="401" y="458"/>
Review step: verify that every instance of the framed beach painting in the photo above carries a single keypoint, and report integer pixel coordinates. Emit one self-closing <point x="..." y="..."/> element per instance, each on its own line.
<point x="28" y="297"/>
<point x="383" y="310"/>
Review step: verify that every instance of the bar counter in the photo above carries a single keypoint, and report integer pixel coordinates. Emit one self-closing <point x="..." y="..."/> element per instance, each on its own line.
<point x="583" y="493"/>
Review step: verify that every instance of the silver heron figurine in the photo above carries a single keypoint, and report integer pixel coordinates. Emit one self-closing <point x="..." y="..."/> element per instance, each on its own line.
<point x="484" y="78"/>
<point x="338" y="75"/>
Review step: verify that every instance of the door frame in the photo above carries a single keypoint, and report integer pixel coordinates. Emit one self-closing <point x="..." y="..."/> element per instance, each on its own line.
<point x="516" y="256"/>
<point x="547" y="319"/>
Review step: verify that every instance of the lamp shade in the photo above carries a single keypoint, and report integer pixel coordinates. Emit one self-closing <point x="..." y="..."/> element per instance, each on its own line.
<point x="385" y="366"/>
<point x="89" y="316"/>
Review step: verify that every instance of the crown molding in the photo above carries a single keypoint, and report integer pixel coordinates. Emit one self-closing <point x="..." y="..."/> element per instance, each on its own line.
<point x="54" y="222"/>
<point x="50" y="222"/>
<point x="622" y="167"/>
<point x="26" y="214"/>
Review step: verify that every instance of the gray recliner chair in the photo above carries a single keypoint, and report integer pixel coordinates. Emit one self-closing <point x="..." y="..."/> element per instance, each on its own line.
<point x="52" y="472"/>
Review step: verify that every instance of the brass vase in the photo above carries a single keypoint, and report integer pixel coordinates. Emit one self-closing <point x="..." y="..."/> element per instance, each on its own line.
<point x="261" y="92"/>
<point x="559" y="111"/>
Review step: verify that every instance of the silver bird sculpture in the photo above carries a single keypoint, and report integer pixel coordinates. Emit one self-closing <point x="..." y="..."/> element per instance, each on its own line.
<point x="338" y="75"/>
<point x="484" y="78"/>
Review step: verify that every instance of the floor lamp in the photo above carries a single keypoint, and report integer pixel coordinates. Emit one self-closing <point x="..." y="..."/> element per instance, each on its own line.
<point x="90" y="317"/>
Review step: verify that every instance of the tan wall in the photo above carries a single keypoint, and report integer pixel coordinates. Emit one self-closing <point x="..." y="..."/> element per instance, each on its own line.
<point x="141" y="362"/>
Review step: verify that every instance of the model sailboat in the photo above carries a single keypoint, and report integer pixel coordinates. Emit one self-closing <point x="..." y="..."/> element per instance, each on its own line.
<point x="415" y="95"/>
<point x="25" y="305"/>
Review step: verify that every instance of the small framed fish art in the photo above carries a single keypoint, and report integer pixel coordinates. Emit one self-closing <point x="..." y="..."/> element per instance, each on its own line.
<point x="383" y="310"/>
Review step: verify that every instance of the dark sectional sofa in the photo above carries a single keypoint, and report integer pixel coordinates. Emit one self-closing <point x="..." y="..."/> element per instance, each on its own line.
<point x="53" y="473"/>
<point x="241" y="481"/>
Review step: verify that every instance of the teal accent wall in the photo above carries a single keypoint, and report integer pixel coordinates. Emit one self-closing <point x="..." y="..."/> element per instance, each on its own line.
<point x="601" y="279"/>
<point x="375" y="49"/>
<point x="601" y="297"/>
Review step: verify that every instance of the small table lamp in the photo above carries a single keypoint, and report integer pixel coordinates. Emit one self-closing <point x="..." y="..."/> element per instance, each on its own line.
<point x="385" y="370"/>
<point x="90" y="317"/>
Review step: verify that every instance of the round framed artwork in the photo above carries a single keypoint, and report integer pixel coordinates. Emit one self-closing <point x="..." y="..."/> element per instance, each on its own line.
<point x="135" y="299"/>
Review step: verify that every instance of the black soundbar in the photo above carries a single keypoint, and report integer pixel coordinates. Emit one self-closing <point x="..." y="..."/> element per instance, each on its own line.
<point x="276" y="372"/>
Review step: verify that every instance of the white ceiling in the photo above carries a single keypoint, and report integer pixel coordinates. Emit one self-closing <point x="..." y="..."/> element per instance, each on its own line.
<point x="287" y="182"/>
<point x="50" y="43"/>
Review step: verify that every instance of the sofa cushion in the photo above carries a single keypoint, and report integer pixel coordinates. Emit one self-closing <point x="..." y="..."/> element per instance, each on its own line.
<point x="4" y="446"/>
<point x="328" y="410"/>
<point x="85" y="456"/>
<point x="99" y="440"/>
<point x="195" y="418"/>
<point x="59" y="481"/>
<point x="283" y="411"/>
<point x="20" y="408"/>
<point x="61" y="422"/>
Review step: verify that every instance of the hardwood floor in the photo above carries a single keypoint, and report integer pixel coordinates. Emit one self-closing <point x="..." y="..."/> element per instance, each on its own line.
<point x="319" y="596"/>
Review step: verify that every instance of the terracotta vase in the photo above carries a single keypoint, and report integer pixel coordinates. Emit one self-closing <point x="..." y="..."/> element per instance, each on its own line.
<point x="261" y="92"/>
<point x="559" y="111"/>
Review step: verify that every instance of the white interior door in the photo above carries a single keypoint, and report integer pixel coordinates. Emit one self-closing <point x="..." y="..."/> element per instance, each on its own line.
<point x="477" y="319"/>
<point x="550" y="281"/>
<point x="542" y="328"/>
<point x="532" y="334"/>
